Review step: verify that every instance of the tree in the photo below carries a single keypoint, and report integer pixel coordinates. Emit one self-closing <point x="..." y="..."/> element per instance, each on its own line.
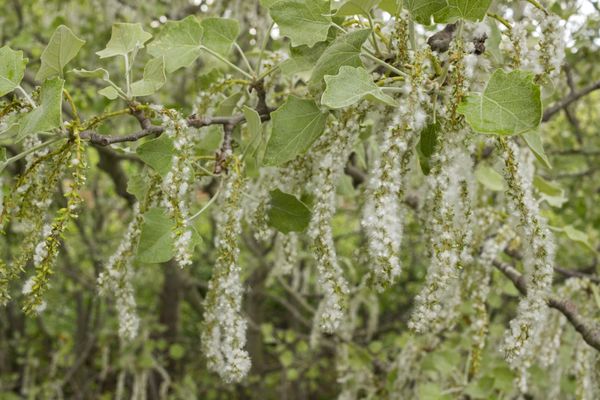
<point x="299" y="199"/>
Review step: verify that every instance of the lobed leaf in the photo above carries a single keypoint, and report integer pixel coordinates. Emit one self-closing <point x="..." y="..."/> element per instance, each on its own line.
<point x="62" y="48"/>
<point x="179" y="43"/>
<point x="350" y="86"/>
<point x="124" y="39"/>
<point x="305" y="22"/>
<point x="12" y="69"/>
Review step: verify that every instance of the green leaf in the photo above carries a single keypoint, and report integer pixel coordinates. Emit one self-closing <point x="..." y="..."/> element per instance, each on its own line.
<point x="302" y="58"/>
<point x="431" y="391"/>
<point x="176" y="351"/>
<point x="156" y="243"/>
<point x="480" y="389"/>
<point x="350" y="86"/>
<point x="286" y="358"/>
<point x="109" y="92"/>
<point x="426" y="146"/>
<point x="550" y="192"/>
<point x="179" y="42"/>
<point x="48" y="114"/>
<point x="61" y="49"/>
<point x="287" y="213"/>
<point x="296" y="125"/>
<point x="124" y="39"/>
<point x="534" y="141"/>
<point x="229" y="105"/>
<point x="220" y="34"/>
<point x="12" y="69"/>
<point x="345" y="50"/>
<point x="447" y="10"/>
<point x="99" y="73"/>
<point x="252" y="121"/>
<point x="303" y="21"/>
<point x="509" y="105"/>
<point x="355" y="7"/>
<point x="137" y="184"/>
<point x="153" y="79"/>
<point x="576" y="235"/>
<point x="390" y="6"/>
<point x="489" y="178"/>
<point x="157" y="153"/>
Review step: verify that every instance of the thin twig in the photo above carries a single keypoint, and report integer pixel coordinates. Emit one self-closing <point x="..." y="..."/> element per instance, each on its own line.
<point x="589" y="331"/>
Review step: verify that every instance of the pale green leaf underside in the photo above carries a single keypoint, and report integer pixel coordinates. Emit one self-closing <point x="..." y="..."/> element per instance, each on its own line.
<point x="534" y="141"/>
<point x="157" y="153"/>
<point x="179" y="43"/>
<point x="109" y="92"/>
<point x="12" y="69"/>
<point x="219" y="34"/>
<point x="252" y="121"/>
<point x="350" y="86"/>
<point x="99" y="73"/>
<point x="303" y="21"/>
<point x="345" y="50"/>
<point x="61" y="49"/>
<point x="124" y="39"/>
<point x="355" y="7"/>
<point x="48" y="114"/>
<point x="156" y="243"/>
<point x="510" y="104"/>
<point x="153" y="79"/>
<point x="423" y="11"/>
<point x="302" y="58"/>
<point x="490" y="178"/>
<point x="296" y="125"/>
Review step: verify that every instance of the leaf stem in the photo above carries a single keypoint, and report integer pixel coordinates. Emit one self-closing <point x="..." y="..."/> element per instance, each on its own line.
<point x="239" y="49"/>
<point x="72" y="104"/>
<point x="27" y="97"/>
<point x="385" y="65"/>
<point x="263" y="46"/>
<point x="127" y="77"/>
<point x="537" y="5"/>
<point x="501" y="20"/>
<point x="212" y="200"/>
<point x="373" y="37"/>
<point x="226" y="61"/>
<point x="268" y="72"/>
<point x="99" y="118"/>
<point x="30" y="150"/>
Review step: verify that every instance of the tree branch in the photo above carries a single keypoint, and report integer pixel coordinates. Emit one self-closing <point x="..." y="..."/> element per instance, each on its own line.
<point x="571" y="98"/>
<point x="149" y="129"/>
<point x="589" y="331"/>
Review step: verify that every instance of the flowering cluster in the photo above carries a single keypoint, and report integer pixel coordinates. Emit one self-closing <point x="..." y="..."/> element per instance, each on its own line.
<point x="382" y="213"/>
<point x="116" y="279"/>
<point x="46" y="250"/>
<point x="286" y="253"/>
<point x="545" y="60"/>
<point x="449" y="229"/>
<point x="480" y="288"/>
<point x="257" y="207"/>
<point x="551" y="45"/>
<point x="587" y="365"/>
<point x="331" y="153"/>
<point x="525" y="329"/>
<point x="176" y="184"/>
<point x="224" y="334"/>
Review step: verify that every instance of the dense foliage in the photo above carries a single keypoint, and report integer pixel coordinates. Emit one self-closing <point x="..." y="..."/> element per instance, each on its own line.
<point x="299" y="199"/>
